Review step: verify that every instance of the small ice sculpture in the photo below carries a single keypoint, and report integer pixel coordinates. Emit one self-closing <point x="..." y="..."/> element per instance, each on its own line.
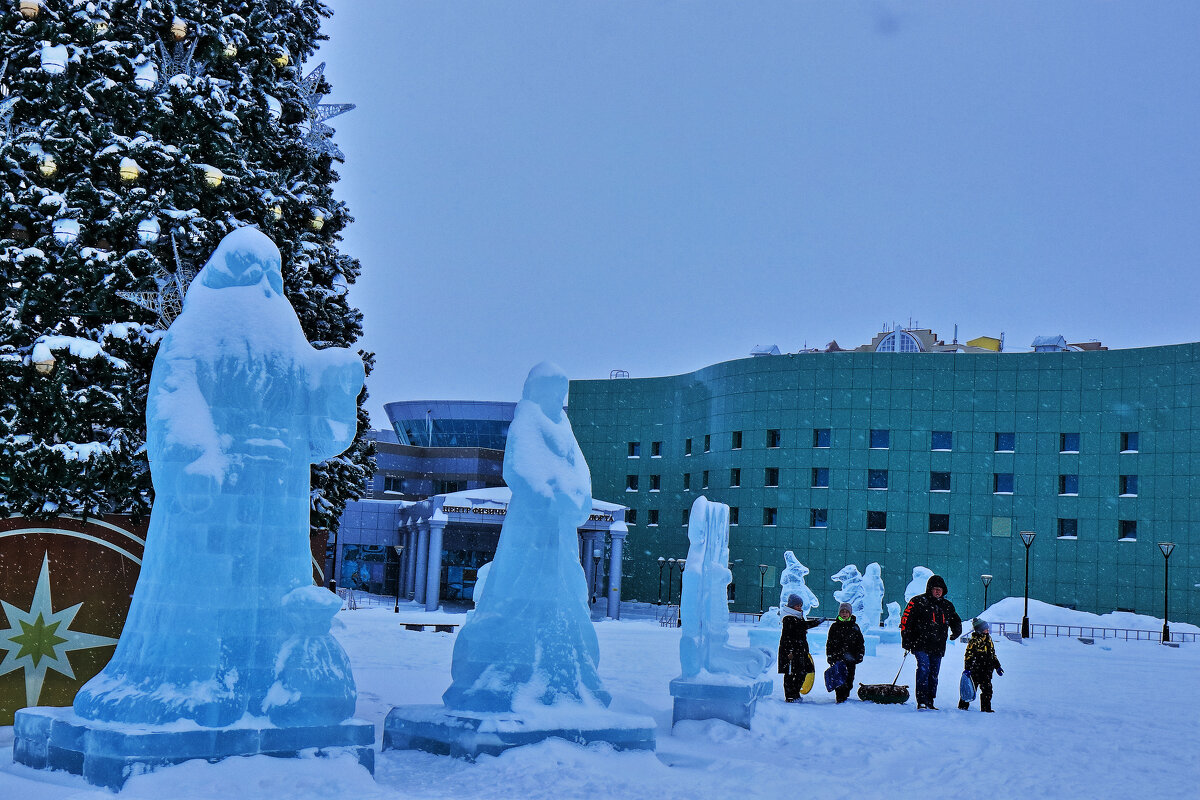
<point x="531" y="640"/>
<point x="851" y="592"/>
<point x="791" y="581"/>
<point x="871" y="598"/>
<point x="704" y="605"/>
<point x="919" y="583"/>
<point x="480" y="579"/>
<point x="892" y="623"/>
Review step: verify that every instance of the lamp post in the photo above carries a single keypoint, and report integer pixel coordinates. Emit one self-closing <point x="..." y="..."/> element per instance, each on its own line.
<point x="596" y="554"/>
<point x="762" y="584"/>
<point x="662" y="562"/>
<point x="682" y="562"/>
<point x="1166" y="548"/>
<point x="670" y="577"/>
<point x="399" y="558"/>
<point x="1027" y="538"/>
<point x="986" y="580"/>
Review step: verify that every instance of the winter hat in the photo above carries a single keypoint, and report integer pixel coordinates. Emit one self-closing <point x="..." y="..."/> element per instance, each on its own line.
<point x="794" y="600"/>
<point x="935" y="581"/>
<point x="845" y="610"/>
<point x="980" y="625"/>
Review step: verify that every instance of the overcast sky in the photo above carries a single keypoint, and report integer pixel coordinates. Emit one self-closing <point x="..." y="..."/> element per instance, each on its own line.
<point x="657" y="186"/>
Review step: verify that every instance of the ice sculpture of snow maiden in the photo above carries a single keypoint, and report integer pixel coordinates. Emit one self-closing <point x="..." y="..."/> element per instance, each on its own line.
<point x="791" y="582"/>
<point x="524" y="664"/>
<point x="226" y="650"/>
<point x="718" y="681"/>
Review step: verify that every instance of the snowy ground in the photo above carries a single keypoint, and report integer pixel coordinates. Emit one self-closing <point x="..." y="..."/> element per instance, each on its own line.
<point x="1110" y="720"/>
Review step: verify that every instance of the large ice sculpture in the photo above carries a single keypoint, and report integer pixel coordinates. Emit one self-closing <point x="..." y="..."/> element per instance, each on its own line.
<point x="226" y="630"/>
<point x="918" y="584"/>
<point x="852" y="587"/>
<point x="525" y="663"/>
<point x="791" y="582"/>
<point x="872" y="598"/>
<point x="718" y="681"/>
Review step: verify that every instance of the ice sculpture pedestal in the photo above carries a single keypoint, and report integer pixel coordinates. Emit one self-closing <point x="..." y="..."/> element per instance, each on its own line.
<point x="107" y="754"/>
<point x="732" y="702"/>
<point x="766" y="639"/>
<point x="468" y="734"/>
<point x="888" y="635"/>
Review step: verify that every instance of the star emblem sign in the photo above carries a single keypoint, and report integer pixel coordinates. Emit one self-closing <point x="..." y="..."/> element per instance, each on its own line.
<point x="39" y="639"/>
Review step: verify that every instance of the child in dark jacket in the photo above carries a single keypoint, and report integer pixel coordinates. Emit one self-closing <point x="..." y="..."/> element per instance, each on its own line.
<point x="980" y="660"/>
<point x="845" y="644"/>
<point x="794" y="660"/>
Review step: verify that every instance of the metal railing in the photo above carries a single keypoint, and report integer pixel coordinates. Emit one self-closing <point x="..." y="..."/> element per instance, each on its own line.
<point x="1089" y="632"/>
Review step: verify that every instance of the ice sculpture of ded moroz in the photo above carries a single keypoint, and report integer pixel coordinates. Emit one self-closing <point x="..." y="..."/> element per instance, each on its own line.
<point x="225" y="627"/>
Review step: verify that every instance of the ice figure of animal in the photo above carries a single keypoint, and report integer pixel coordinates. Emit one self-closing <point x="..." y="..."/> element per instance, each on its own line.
<point x="918" y="584"/>
<point x="704" y="601"/>
<point x="225" y="622"/>
<point x="791" y="581"/>
<point x="530" y="642"/>
<point x="871" y="598"/>
<point x="892" y="623"/>
<point x="852" y="587"/>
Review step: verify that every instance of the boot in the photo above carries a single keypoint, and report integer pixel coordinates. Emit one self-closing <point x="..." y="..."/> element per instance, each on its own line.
<point x="985" y="706"/>
<point x="964" y="705"/>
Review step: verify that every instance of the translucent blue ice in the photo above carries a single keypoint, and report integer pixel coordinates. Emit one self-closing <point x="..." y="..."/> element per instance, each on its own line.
<point x="870" y="598"/>
<point x="704" y="604"/>
<point x="225" y="622"/>
<point x="530" y="642"/>
<point x="791" y="582"/>
<point x="892" y="623"/>
<point x="918" y="584"/>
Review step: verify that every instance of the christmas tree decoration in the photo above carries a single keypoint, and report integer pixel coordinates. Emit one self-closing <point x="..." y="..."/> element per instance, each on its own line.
<point x="99" y="28"/>
<point x="316" y="221"/>
<point x="177" y="62"/>
<point x="179" y="29"/>
<point x="229" y="51"/>
<point x="48" y="166"/>
<point x="130" y="170"/>
<point x="30" y="8"/>
<point x="54" y="59"/>
<point x="281" y="58"/>
<point x="44" y="363"/>
<point x="145" y="76"/>
<point x="276" y="212"/>
<point x="212" y="175"/>
<point x="66" y="231"/>
<point x="317" y="136"/>
<point x="148" y="231"/>
<point x="166" y="302"/>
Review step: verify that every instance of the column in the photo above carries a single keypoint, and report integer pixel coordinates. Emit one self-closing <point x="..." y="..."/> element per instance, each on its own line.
<point x="591" y="541"/>
<point x="433" y="579"/>
<point x="410" y="588"/>
<point x="617" y="543"/>
<point x="422" y="559"/>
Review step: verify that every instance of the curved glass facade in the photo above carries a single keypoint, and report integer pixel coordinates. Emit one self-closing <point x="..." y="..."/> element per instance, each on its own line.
<point x="451" y="423"/>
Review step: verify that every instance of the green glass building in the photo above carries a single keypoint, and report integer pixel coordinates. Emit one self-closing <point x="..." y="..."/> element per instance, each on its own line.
<point x="916" y="458"/>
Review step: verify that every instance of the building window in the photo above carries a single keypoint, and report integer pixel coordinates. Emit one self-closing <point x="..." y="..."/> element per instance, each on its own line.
<point x="770" y="515"/>
<point x="820" y="478"/>
<point x="877" y="479"/>
<point x="655" y="483"/>
<point x="733" y="515"/>
<point x="687" y="447"/>
<point x="1002" y="483"/>
<point x="631" y="516"/>
<point x="1068" y="528"/>
<point x="1129" y="442"/>
<point x="656" y="449"/>
<point x="1002" y="526"/>
<point x="818" y="518"/>
<point x="1068" y="443"/>
<point x="880" y="439"/>
<point x="631" y="483"/>
<point x="393" y="483"/>
<point x="941" y="440"/>
<point x="704" y="479"/>
<point x="939" y="523"/>
<point x="707" y="442"/>
<point x="1068" y="484"/>
<point x="735" y="442"/>
<point x="877" y="520"/>
<point x="820" y="437"/>
<point x="1127" y="530"/>
<point x="898" y="342"/>
<point x="652" y="516"/>
<point x="635" y="449"/>
<point x="771" y="476"/>
<point x="1006" y="442"/>
<point x="687" y="481"/>
<point x="735" y="477"/>
<point x="686" y="513"/>
<point x="1128" y="485"/>
<point x="448" y="486"/>
<point x="773" y="438"/>
<point x="939" y="481"/>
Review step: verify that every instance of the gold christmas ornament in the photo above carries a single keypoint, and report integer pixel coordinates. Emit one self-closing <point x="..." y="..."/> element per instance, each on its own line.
<point x="130" y="170"/>
<point x="48" y="167"/>
<point x="45" y="365"/>
<point x="281" y="59"/>
<point x="179" y="29"/>
<point x="212" y="175"/>
<point x="100" y="27"/>
<point x="317" y="221"/>
<point x="230" y="51"/>
<point x="276" y="212"/>
<point x="30" y="8"/>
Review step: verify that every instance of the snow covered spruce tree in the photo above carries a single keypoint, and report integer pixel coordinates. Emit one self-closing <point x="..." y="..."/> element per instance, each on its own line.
<point x="134" y="134"/>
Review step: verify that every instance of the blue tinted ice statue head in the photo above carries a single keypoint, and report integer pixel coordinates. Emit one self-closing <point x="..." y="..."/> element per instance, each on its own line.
<point x="530" y="642"/>
<point x="225" y="622"/>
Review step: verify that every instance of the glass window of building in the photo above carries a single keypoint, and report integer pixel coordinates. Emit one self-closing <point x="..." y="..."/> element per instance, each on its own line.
<point x="652" y="516"/>
<point x="1068" y="484"/>
<point x="687" y="481"/>
<point x="1128" y="485"/>
<point x="1006" y="442"/>
<point x="877" y="479"/>
<point x="631" y="483"/>
<point x="1002" y="483"/>
<point x="707" y="442"/>
<point x="687" y="447"/>
<point x="939" y="481"/>
<point x="704" y="479"/>
<point x="1068" y="528"/>
<point x="735" y="477"/>
<point x="820" y="478"/>
<point x="393" y="483"/>
<point x="941" y="440"/>
<point x="635" y="449"/>
<point x="818" y="518"/>
<point x="773" y="438"/>
<point x="877" y="520"/>
<point x="939" y="523"/>
<point x="820" y="437"/>
<point x="1127" y="530"/>
<point x="898" y="342"/>
<point x="448" y="486"/>
<point x="733" y="515"/>
<point x="655" y="483"/>
<point x="1129" y="442"/>
<point x="686" y="513"/>
<point x="1068" y="443"/>
<point x="631" y="516"/>
<point x="770" y="516"/>
<point x="735" y="442"/>
<point x="880" y="439"/>
<point x="771" y="476"/>
<point x="656" y="449"/>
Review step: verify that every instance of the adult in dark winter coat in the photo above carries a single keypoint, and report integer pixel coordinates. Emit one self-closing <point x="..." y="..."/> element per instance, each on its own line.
<point x="794" y="661"/>
<point x="923" y="629"/>
<point x="845" y="644"/>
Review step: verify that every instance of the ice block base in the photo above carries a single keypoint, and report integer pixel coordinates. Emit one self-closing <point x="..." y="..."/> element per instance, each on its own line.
<point x="732" y="703"/>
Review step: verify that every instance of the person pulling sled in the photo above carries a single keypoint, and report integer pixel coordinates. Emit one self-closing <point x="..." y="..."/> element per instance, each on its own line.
<point x="923" y="630"/>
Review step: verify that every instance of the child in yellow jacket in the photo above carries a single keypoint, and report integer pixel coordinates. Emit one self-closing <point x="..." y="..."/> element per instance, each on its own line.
<point x="980" y="660"/>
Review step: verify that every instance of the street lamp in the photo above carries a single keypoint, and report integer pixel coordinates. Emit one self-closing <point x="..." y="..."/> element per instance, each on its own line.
<point x="762" y="583"/>
<point x="986" y="580"/>
<point x="1166" y="548"/>
<point x="1027" y="538"/>
<point x="596" y="554"/>
<point x="662" y="562"/>
<point x="681" y="562"/>
<point x="670" y="577"/>
<point x="399" y="558"/>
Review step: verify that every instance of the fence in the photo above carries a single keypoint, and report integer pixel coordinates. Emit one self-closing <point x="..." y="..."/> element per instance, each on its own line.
<point x="1088" y="632"/>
